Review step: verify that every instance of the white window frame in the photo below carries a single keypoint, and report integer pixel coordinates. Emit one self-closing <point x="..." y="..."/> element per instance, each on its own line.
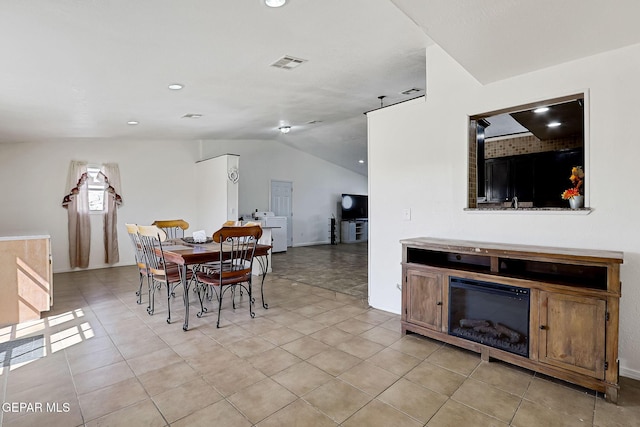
<point x="96" y="189"/>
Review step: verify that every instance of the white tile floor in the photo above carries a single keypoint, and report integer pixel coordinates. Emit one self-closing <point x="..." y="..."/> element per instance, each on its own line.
<point x="314" y="358"/>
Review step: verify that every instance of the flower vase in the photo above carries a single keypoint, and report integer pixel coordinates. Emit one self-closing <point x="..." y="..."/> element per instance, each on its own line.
<point x="576" y="202"/>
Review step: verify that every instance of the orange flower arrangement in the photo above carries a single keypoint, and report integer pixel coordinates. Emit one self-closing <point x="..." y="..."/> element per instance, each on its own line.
<point x="577" y="175"/>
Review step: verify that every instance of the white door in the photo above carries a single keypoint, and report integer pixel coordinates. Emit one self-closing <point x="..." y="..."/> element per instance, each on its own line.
<point x="282" y="204"/>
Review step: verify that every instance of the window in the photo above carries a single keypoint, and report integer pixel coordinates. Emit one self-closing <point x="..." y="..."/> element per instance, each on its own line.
<point x="526" y="153"/>
<point x="96" y="188"/>
<point x="92" y="189"/>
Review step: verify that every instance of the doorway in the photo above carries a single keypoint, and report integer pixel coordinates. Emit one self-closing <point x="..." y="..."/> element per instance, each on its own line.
<point x="282" y="204"/>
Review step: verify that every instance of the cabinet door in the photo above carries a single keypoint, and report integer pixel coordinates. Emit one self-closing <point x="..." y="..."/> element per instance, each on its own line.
<point x="423" y="299"/>
<point x="552" y="170"/>
<point x="572" y="333"/>
<point x="497" y="179"/>
<point x="522" y="177"/>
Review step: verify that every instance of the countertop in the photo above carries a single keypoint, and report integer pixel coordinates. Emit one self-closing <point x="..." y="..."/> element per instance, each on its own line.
<point x="17" y="236"/>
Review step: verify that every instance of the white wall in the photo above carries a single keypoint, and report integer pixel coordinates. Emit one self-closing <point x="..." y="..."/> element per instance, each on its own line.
<point x="317" y="184"/>
<point x="217" y="197"/>
<point x="418" y="160"/>
<point x="157" y="183"/>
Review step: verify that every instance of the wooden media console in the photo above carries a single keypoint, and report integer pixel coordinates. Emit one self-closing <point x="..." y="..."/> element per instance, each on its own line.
<point x="477" y="296"/>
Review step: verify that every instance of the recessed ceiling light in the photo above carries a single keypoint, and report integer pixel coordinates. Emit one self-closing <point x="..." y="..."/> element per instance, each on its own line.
<point x="541" y="110"/>
<point x="554" y="124"/>
<point x="133" y="122"/>
<point x="275" y="3"/>
<point x="360" y="161"/>
<point x="285" y="129"/>
<point x="175" y="86"/>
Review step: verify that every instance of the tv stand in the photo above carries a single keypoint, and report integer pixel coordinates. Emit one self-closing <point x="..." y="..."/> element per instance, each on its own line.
<point x="573" y="300"/>
<point x="355" y="230"/>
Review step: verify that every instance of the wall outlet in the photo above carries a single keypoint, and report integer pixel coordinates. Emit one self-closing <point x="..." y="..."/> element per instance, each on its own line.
<point x="406" y="214"/>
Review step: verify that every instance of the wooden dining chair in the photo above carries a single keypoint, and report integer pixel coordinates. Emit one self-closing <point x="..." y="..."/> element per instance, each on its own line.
<point x="141" y="260"/>
<point x="237" y="249"/>
<point x="173" y="228"/>
<point x="162" y="273"/>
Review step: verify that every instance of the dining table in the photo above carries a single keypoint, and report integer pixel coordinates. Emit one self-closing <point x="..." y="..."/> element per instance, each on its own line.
<point x="186" y="255"/>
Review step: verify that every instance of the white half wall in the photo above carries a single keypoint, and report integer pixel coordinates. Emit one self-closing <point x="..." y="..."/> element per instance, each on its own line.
<point x="418" y="161"/>
<point x="217" y="196"/>
<point x="317" y="184"/>
<point x="157" y="183"/>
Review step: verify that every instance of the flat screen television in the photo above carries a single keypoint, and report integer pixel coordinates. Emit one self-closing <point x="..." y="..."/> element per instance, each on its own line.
<point x="354" y="206"/>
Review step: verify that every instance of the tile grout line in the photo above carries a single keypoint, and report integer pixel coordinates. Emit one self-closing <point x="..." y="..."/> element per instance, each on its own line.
<point x="116" y="297"/>
<point x="5" y="380"/>
<point x="153" y="402"/>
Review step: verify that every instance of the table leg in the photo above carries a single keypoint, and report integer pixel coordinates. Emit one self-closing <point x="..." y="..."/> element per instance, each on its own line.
<point x="185" y="296"/>
<point x="264" y="266"/>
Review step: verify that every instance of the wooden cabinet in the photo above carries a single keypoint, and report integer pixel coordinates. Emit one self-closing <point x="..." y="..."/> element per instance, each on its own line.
<point x="26" y="278"/>
<point x="523" y="178"/>
<point x="422" y="298"/>
<point x="539" y="177"/>
<point x="498" y="180"/>
<point x="551" y="176"/>
<point x="572" y="298"/>
<point x="572" y="333"/>
<point x="509" y="177"/>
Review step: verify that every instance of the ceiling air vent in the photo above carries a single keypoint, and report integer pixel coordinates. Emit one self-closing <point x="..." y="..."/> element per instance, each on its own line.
<point x="192" y="116"/>
<point x="411" y="91"/>
<point x="288" y="62"/>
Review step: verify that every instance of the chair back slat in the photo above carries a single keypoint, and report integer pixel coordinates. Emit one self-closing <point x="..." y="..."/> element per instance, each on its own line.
<point x="162" y="273"/>
<point x="151" y="238"/>
<point x="234" y="269"/>
<point x="132" y="230"/>
<point x="174" y="228"/>
<point x="237" y="245"/>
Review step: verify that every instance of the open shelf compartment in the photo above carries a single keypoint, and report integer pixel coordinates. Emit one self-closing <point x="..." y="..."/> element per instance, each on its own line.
<point x="457" y="261"/>
<point x="584" y="276"/>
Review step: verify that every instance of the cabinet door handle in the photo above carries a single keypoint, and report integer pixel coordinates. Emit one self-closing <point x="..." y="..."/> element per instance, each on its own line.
<point x="543" y="327"/>
<point x="439" y="303"/>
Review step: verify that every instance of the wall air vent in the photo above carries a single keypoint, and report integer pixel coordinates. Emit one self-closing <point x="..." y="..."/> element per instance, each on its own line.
<point x="288" y="62"/>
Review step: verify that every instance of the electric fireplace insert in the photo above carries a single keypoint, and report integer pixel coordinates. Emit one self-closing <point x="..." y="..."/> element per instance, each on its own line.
<point x="489" y="313"/>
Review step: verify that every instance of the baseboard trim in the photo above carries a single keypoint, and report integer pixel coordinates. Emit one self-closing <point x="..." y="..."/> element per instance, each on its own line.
<point x="326" y="242"/>
<point x="630" y="373"/>
<point x="92" y="267"/>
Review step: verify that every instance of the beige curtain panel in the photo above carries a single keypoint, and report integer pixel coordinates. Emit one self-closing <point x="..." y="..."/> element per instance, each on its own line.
<point x="76" y="201"/>
<point x="111" y="173"/>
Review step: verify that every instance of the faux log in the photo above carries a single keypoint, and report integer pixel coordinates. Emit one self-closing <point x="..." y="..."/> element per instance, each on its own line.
<point x="472" y="323"/>
<point x="487" y="330"/>
<point x="511" y="335"/>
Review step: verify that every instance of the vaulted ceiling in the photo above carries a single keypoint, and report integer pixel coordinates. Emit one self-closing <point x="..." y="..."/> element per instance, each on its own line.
<point x="498" y="39"/>
<point x="83" y="69"/>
